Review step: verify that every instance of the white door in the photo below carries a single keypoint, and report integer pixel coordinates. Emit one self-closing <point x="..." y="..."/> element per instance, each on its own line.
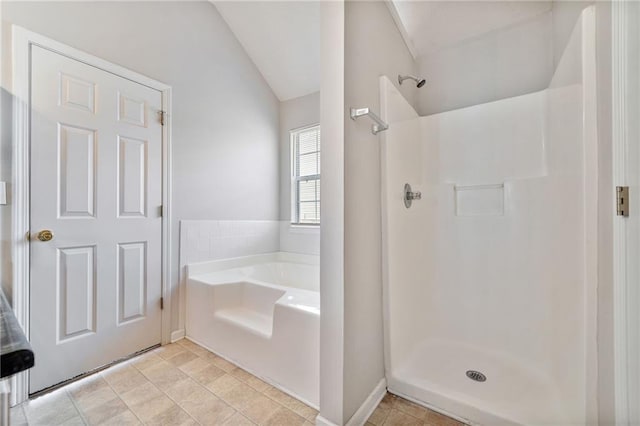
<point x="96" y="184"/>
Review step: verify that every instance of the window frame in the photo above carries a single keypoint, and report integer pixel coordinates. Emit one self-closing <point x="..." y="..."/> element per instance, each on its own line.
<point x="295" y="179"/>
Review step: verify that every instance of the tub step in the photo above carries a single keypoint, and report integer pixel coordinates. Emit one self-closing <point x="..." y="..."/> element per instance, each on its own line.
<point x="249" y="319"/>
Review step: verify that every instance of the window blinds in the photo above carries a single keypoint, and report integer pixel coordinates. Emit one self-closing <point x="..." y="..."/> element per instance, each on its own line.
<point x="306" y="175"/>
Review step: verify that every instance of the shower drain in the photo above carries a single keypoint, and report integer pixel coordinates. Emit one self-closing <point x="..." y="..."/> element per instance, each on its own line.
<point x="476" y="375"/>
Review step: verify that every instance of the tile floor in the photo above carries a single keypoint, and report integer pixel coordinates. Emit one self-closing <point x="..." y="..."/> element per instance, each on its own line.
<point x="185" y="384"/>
<point x="396" y="411"/>
<point x="177" y="384"/>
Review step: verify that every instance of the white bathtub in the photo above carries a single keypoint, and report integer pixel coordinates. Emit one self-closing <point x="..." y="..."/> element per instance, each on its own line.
<point x="263" y="313"/>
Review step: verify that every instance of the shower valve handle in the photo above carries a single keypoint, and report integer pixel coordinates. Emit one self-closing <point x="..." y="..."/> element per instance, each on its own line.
<point x="414" y="195"/>
<point x="409" y="195"/>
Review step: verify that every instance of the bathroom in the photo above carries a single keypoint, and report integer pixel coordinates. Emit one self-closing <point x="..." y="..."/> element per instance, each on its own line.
<point x="471" y="259"/>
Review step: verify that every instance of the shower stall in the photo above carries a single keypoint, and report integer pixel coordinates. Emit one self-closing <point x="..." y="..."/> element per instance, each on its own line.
<point x="490" y="277"/>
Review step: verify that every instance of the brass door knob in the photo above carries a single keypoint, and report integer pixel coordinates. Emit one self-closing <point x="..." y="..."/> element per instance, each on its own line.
<point x="45" y="235"/>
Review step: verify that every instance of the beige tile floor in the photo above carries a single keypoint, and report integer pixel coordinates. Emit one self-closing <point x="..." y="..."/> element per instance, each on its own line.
<point x="396" y="411"/>
<point x="184" y="384"/>
<point x="177" y="384"/>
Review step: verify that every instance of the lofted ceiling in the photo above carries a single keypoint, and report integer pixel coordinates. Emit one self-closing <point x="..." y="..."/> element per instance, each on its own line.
<point x="283" y="40"/>
<point x="283" y="37"/>
<point x="431" y="25"/>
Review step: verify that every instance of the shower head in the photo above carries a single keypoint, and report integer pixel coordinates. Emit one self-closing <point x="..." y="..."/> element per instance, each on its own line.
<point x="419" y="81"/>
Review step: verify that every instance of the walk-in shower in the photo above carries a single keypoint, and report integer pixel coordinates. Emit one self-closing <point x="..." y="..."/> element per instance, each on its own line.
<point x="489" y="277"/>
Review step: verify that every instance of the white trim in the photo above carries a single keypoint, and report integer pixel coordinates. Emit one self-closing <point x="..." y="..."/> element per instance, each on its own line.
<point x="167" y="191"/>
<point x="384" y="229"/>
<point x="294" y="139"/>
<point x="20" y="199"/>
<point x="303" y="228"/>
<point x="178" y="335"/>
<point x="624" y="63"/>
<point x="22" y="40"/>
<point x="618" y="64"/>
<point x="591" y="199"/>
<point x="305" y="127"/>
<point x="321" y="421"/>
<point x="393" y="11"/>
<point x="367" y="408"/>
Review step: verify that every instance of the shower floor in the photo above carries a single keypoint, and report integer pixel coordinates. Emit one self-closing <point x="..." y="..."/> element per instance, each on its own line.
<point x="435" y="375"/>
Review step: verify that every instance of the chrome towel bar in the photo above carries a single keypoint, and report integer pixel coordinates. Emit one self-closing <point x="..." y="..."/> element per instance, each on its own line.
<point x="379" y="125"/>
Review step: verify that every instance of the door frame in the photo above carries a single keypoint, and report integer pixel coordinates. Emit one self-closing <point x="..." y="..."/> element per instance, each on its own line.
<point x="625" y="63"/>
<point x="22" y="42"/>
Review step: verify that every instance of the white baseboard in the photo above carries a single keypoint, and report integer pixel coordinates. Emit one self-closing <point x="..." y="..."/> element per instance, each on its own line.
<point x="361" y="416"/>
<point x="177" y="335"/>
<point x="367" y="408"/>
<point x="363" y="413"/>
<point x="321" y="421"/>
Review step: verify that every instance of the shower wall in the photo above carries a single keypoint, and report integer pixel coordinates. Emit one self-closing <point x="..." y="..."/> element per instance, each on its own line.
<point x="494" y="269"/>
<point x="507" y="62"/>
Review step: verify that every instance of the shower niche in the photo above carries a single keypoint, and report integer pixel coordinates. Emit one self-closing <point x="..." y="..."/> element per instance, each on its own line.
<point x="479" y="200"/>
<point x="493" y="271"/>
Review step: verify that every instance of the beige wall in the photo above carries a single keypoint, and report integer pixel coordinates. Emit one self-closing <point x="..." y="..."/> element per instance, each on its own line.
<point x="225" y="132"/>
<point x="370" y="51"/>
<point x="332" y="119"/>
<point x="355" y="54"/>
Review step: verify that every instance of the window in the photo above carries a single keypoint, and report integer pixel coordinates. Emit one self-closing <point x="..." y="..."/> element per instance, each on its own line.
<point x="305" y="182"/>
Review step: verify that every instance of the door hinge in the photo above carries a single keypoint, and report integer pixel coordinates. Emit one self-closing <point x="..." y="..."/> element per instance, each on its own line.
<point x="161" y="303"/>
<point x="161" y="211"/>
<point x="622" y="200"/>
<point x="162" y="115"/>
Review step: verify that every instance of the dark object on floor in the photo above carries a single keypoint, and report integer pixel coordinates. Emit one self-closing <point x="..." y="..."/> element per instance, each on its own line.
<point x="16" y="354"/>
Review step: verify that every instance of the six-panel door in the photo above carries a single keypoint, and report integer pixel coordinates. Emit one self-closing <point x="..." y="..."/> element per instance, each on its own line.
<point x="96" y="184"/>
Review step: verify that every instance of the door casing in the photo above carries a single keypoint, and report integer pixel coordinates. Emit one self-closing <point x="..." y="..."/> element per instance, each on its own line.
<point x="625" y="64"/>
<point x="22" y="41"/>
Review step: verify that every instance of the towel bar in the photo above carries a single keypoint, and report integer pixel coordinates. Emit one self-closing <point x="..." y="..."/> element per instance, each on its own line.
<point x="379" y="125"/>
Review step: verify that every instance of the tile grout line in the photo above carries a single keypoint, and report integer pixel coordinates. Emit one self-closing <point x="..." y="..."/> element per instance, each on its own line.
<point x="24" y="413"/>
<point x="181" y="407"/>
<point x="240" y="384"/>
<point x="396" y="404"/>
<point x="243" y="381"/>
<point x="236" y="411"/>
<point x="123" y="401"/>
<point x="77" y="407"/>
<point x="280" y="400"/>
<point x="169" y="396"/>
<point x="209" y="390"/>
<point x="155" y="386"/>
